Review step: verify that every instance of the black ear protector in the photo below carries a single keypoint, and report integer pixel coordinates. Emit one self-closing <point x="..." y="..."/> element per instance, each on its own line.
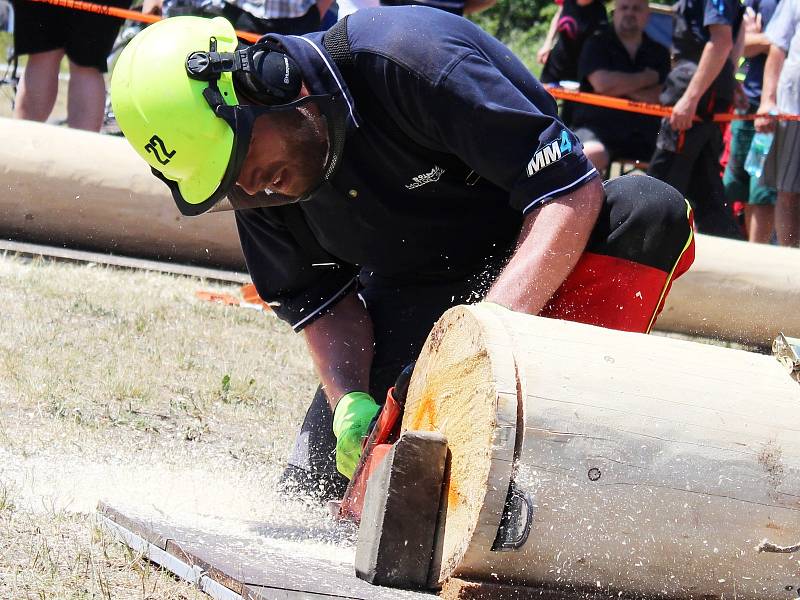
<point x="262" y="73"/>
<point x="271" y="80"/>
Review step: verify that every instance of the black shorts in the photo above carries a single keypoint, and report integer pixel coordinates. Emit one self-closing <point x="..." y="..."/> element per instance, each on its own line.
<point x="634" y="146"/>
<point x="87" y="38"/>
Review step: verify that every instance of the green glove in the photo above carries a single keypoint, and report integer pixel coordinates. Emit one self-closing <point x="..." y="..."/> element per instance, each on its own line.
<point x="351" y="420"/>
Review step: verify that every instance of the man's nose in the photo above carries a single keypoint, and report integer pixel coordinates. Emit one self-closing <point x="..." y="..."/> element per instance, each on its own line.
<point x="248" y="182"/>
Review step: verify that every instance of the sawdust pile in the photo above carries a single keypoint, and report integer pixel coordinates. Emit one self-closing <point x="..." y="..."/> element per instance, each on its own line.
<point x="123" y="386"/>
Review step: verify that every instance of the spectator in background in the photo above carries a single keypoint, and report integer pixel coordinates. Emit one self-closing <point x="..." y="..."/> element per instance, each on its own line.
<point x="573" y="23"/>
<point x="286" y="17"/>
<point x="458" y="7"/>
<point x="623" y="61"/>
<point x="701" y="83"/>
<point x="739" y="185"/>
<point x="47" y="33"/>
<point x="782" y="92"/>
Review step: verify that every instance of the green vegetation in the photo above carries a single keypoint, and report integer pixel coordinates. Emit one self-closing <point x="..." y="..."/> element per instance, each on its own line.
<point x="521" y="24"/>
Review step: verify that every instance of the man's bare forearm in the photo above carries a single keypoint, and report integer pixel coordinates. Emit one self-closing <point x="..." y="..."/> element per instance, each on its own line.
<point x="769" y="88"/>
<point x="649" y="94"/>
<point x="341" y="344"/>
<point x="715" y="54"/>
<point x="772" y="73"/>
<point x="552" y="240"/>
<point x="622" y="84"/>
<point x="755" y="44"/>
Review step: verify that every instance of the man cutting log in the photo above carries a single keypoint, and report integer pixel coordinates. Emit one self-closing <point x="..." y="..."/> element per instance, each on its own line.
<point x="397" y="165"/>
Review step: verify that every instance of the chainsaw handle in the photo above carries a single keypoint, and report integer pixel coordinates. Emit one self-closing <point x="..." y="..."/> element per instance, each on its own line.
<point x="385" y="428"/>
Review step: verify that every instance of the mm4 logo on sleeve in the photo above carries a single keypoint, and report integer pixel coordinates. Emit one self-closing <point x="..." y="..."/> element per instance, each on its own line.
<point x="157" y="147"/>
<point x="549" y="153"/>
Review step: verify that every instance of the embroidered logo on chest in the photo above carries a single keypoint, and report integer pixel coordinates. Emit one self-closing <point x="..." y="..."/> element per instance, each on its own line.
<point x="430" y="177"/>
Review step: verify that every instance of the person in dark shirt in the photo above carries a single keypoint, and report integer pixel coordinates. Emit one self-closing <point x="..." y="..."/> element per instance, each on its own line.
<point x="457" y="7"/>
<point x="620" y="60"/>
<point x="700" y="84"/>
<point x="572" y="25"/>
<point x="739" y="185"/>
<point x="397" y="165"/>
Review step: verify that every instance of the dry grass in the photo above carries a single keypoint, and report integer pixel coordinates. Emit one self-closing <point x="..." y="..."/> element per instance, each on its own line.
<point x="66" y="555"/>
<point x="122" y="384"/>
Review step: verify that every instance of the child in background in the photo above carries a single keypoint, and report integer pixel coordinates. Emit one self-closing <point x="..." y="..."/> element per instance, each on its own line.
<point x="574" y="22"/>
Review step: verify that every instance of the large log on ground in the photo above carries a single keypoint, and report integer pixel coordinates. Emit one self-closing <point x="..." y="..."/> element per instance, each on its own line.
<point x="654" y="466"/>
<point x="91" y="191"/>
<point x="736" y="291"/>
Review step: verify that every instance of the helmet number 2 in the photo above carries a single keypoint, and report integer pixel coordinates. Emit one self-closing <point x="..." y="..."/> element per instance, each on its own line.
<point x="157" y="147"/>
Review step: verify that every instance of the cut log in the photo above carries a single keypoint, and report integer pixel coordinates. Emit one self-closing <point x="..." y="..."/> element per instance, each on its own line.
<point x="736" y="291"/>
<point x="91" y="191"/>
<point x="655" y="466"/>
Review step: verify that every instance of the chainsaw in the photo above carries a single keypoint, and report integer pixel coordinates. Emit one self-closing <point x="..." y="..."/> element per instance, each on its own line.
<point x="385" y="431"/>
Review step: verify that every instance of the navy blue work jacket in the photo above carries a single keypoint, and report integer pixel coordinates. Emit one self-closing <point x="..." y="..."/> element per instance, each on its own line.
<point x="451" y="142"/>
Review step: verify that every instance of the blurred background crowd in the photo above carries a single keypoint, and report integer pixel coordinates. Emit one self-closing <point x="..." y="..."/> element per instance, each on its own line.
<point x="703" y="58"/>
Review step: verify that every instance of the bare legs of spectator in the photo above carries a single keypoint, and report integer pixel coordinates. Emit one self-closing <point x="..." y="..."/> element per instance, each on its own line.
<point x="760" y="222"/>
<point x="38" y="86"/>
<point x="597" y="153"/>
<point x="787" y="219"/>
<point x="87" y="98"/>
<point x="38" y="89"/>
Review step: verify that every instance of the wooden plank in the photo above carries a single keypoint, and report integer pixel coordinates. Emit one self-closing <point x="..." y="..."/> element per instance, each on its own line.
<point x="249" y="567"/>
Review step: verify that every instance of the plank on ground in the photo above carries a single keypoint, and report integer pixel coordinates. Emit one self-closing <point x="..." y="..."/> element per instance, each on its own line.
<point x="249" y="568"/>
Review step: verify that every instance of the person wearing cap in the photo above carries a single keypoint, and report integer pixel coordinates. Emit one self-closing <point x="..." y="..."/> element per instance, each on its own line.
<point x="397" y="165"/>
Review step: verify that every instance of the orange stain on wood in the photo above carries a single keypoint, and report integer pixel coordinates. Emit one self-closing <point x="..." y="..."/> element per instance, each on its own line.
<point x="425" y="414"/>
<point x="453" y="494"/>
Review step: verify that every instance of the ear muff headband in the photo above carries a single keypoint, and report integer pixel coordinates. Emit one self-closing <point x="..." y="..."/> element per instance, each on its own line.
<point x="262" y="73"/>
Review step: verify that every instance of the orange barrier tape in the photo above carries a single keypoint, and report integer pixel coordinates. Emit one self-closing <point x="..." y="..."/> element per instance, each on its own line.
<point x="646" y="108"/>
<point x="123" y="13"/>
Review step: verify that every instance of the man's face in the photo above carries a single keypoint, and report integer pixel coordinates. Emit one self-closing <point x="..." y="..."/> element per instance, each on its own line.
<point x="287" y="153"/>
<point x="630" y="16"/>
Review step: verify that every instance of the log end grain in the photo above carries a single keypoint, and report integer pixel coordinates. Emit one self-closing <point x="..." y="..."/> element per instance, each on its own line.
<point x="465" y="387"/>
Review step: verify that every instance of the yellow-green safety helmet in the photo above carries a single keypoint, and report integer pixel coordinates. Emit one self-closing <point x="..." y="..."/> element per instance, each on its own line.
<point x="163" y="113"/>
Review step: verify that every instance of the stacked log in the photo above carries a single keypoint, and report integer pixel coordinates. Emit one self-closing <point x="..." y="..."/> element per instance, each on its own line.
<point x="654" y="466"/>
<point x="83" y="190"/>
<point x="91" y="191"/>
<point x="736" y="291"/>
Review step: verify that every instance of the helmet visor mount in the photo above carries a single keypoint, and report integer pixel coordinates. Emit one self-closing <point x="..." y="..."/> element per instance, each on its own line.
<point x="241" y="119"/>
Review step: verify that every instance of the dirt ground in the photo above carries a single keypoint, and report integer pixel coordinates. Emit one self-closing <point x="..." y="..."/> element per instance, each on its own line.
<point x="123" y="386"/>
